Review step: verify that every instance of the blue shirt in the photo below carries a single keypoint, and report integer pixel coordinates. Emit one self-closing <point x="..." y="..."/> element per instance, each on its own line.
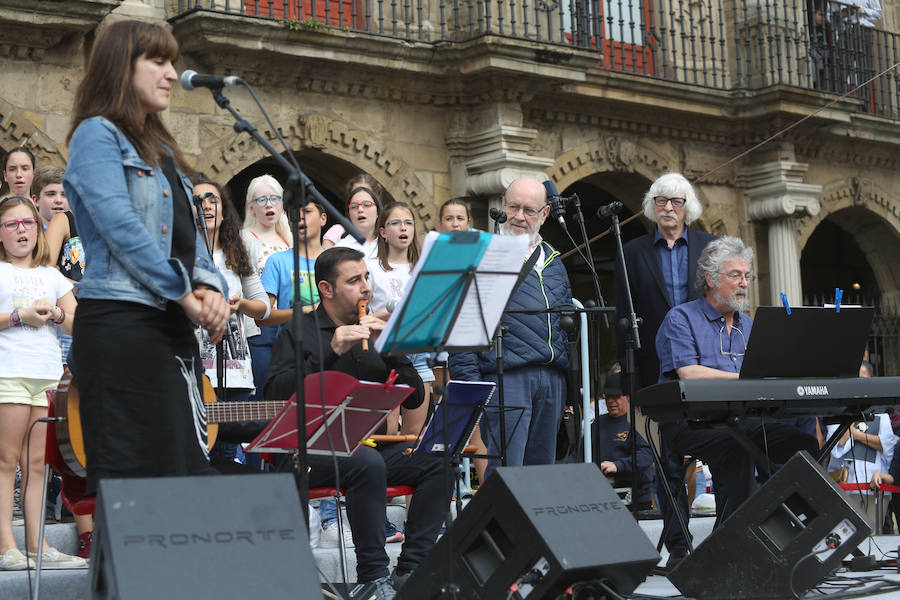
<point x="277" y="279"/>
<point x="694" y="334"/>
<point x="674" y="264"/>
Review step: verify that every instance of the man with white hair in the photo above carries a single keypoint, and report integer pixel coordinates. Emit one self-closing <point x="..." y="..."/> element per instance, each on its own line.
<point x="661" y="266"/>
<point x="535" y="354"/>
<point x="706" y="339"/>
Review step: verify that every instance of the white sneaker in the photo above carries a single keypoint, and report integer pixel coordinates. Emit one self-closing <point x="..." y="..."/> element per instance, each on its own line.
<point x="329" y="536"/>
<point x="54" y="559"/>
<point x="14" y="560"/>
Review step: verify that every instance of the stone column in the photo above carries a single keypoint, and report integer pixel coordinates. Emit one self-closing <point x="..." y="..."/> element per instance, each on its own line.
<point x="777" y="195"/>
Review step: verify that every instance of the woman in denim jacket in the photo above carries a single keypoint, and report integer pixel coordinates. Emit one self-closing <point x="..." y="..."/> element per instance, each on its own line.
<point x="134" y="353"/>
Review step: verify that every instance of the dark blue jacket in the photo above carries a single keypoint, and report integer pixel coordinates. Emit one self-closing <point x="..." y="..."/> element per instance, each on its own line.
<point x="611" y="443"/>
<point x="531" y="340"/>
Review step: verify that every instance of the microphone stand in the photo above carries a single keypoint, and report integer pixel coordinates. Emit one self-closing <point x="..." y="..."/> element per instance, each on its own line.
<point x="297" y="193"/>
<point x="632" y="344"/>
<point x="200" y="222"/>
<point x="579" y="218"/>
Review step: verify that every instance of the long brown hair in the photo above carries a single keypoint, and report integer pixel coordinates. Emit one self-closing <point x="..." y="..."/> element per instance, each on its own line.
<point x="236" y="257"/>
<point x="107" y="89"/>
<point x="40" y="254"/>
<point x="412" y="251"/>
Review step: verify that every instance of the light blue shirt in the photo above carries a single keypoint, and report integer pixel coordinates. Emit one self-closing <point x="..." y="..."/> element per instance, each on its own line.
<point x="694" y="334"/>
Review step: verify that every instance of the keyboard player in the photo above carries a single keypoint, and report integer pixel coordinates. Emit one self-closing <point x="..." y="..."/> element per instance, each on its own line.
<point x="706" y="339"/>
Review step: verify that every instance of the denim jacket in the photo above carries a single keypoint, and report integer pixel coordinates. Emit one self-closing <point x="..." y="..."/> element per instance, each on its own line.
<point x="124" y="217"/>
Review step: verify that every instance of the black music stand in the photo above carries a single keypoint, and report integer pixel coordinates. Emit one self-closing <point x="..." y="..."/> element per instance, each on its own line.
<point x="454" y="302"/>
<point x="450" y="429"/>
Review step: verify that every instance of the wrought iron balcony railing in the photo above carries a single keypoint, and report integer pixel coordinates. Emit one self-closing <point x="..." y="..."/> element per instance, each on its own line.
<point x="723" y="44"/>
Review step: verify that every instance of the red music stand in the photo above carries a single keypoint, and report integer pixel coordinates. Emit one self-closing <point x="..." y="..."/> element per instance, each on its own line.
<point x="353" y="411"/>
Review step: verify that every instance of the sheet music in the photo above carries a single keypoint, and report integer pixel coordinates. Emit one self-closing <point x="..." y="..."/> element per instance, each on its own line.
<point x="420" y="324"/>
<point x="495" y="278"/>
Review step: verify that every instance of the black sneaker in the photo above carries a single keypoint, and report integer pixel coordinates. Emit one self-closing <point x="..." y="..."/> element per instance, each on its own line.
<point x="398" y="579"/>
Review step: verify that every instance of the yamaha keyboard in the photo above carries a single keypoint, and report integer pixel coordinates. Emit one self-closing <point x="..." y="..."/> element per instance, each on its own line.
<point x="718" y="400"/>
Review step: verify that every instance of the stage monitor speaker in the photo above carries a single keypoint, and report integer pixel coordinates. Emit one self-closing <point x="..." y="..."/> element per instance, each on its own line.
<point x="787" y="537"/>
<point x="542" y="528"/>
<point x="223" y="537"/>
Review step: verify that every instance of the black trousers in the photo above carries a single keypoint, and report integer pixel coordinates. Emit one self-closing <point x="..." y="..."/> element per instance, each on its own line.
<point x="364" y="476"/>
<point x="732" y="467"/>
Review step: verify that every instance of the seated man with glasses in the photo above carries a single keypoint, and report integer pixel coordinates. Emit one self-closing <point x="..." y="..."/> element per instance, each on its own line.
<point x="706" y="339"/>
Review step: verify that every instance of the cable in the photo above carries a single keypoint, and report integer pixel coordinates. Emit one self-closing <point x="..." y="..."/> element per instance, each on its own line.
<point x="287" y="150"/>
<point x="795" y="124"/>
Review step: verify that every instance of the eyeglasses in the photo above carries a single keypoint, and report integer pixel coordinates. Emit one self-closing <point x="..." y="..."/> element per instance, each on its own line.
<point x="13" y="224"/>
<point x="663" y="200"/>
<point x="364" y="204"/>
<point x="512" y="209"/>
<point x="738" y="276"/>
<point x="200" y="199"/>
<point x="261" y="200"/>
<point x="730" y="342"/>
<point x="398" y="222"/>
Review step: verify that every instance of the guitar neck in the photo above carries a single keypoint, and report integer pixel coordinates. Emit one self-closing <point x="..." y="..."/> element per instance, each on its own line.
<point x="232" y="412"/>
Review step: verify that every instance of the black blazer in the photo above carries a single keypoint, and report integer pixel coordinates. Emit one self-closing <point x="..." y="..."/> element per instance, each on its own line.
<point x="651" y="298"/>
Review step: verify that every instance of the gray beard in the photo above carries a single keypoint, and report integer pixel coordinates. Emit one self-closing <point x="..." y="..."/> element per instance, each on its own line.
<point x="734" y="303"/>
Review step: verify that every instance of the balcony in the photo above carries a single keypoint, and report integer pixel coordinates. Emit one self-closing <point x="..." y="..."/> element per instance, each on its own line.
<point x="814" y="45"/>
<point x="31" y="27"/>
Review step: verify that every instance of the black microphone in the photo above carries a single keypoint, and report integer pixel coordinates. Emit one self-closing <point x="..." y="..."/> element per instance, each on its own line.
<point x="498" y="215"/>
<point x="608" y="210"/>
<point x="555" y="202"/>
<point x="191" y="80"/>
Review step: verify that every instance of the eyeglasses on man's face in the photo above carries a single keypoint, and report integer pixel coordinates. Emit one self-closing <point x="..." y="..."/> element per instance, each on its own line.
<point x="736" y="276"/>
<point x="663" y="200"/>
<point x="528" y="211"/>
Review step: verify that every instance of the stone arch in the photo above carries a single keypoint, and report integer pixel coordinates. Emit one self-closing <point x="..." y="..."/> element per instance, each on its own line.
<point x="872" y="218"/>
<point x="312" y="131"/>
<point x="16" y="129"/>
<point x="614" y="154"/>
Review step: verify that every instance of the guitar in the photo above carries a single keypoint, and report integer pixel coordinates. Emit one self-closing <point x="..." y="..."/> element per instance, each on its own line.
<point x="70" y="439"/>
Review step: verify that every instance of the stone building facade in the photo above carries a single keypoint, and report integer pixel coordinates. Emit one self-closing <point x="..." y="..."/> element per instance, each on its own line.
<point x="437" y="102"/>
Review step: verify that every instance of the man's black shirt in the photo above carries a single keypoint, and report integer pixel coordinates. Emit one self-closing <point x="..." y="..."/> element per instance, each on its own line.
<point x="365" y="366"/>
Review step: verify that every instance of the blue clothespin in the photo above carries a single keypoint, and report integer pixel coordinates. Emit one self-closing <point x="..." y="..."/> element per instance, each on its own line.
<point x="784" y="301"/>
<point x="838" y="292"/>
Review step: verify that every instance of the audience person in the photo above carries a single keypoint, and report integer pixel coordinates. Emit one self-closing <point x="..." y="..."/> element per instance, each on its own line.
<point x="865" y="449"/>
<point x="535" y="348"/>
<point x="18" y="172"/>
<point x="247" y="300"/>
<point x="610" y="433"/>
<point x="277" y="277"/>
<point x="47" y="192"/>
<point x="389" y="273"/>
<point x="364" y="195"/>
<point x="33" y="297"/>
<point x="266" y="231"/>
<point x="455" y="215"/>
<point x="342" y="280"/>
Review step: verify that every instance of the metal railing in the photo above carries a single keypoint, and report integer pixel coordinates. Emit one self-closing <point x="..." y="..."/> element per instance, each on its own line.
<point x="723" y="44"/>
